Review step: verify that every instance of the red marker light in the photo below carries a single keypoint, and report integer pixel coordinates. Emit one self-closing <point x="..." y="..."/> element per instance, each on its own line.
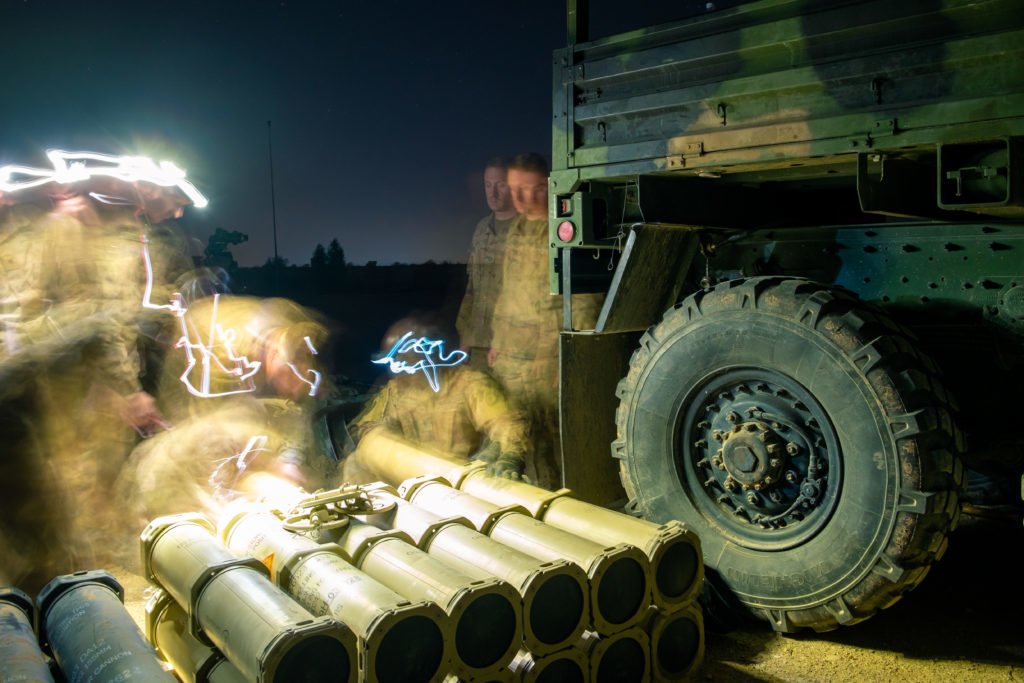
<point x="566" y="231"/>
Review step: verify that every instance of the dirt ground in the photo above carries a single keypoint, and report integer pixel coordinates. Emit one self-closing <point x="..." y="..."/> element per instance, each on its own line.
<point x="964" y="623"/>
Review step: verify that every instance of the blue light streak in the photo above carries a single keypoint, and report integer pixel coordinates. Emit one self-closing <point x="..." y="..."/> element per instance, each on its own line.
<point x="429" y="364"/>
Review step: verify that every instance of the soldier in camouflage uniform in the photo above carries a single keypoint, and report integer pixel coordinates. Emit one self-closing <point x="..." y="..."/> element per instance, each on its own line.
<point x="528" y="319"/>
<point x="288" y="406"/>
<point x="483" y="270"/>
<point x="467" y="418"/>
<point x="71" y="348"/>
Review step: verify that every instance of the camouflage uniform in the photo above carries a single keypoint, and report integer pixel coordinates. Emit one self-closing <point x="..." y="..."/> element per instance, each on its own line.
<point x="527" y="322"/>
<point x="455" y="421"/>
<point x="72" y="295"/>
<point x="483" y="284"/>
<point x="188" y="469"/>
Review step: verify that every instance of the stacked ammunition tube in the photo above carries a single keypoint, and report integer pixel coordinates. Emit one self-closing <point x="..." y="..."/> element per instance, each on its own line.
<point x="642" y="579"/>
<point x="225" y="608"/>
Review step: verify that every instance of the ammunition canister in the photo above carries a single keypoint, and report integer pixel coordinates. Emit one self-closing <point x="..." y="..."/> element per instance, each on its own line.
<point x="193" y="660"/>
<point x="619" y="576"/>
<point x="21" y="659"/>
<point x="400" y="641"/>
<point x="624" y="657"/>
<point x="232" y="603"/>
<point x="673" y="550"/>
<point x="84" y="625"/>
<point x="565" y="666"/>
<point x="677" y="643"/>
<point x="395" y="459"/>
<point x="555" y="605"/>
<point x="485" y="613"/>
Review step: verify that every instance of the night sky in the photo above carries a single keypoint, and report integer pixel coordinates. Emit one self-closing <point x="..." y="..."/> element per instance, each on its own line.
<point x="383" y="111"/>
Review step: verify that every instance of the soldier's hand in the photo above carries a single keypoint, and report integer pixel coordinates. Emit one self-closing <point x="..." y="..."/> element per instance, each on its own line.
<point x="139" y="411"/>
<point x="507" y="466"/>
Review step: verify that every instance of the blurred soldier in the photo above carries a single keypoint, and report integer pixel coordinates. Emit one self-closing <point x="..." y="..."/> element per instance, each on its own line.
<point x="71" y="343"/>
<point x="247" y="394"/>
<point x="528" y="318"/>
<point x="460" y="412"/>
<point x="484" y="267"/>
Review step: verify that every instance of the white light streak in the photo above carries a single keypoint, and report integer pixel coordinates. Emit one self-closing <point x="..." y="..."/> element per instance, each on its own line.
<point x="72" y="167"/>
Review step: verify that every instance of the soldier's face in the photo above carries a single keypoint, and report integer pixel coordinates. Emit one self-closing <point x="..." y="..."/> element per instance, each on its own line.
<point x="529" y="192"/>
<point x="499" y="199"/>
<point x="160" y="205"/>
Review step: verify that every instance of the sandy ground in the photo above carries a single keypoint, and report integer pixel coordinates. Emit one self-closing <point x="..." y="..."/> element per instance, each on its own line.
<point x="965" y="623"/>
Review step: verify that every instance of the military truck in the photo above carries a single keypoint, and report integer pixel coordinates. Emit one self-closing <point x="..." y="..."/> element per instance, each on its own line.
<point x="808" y="219"/>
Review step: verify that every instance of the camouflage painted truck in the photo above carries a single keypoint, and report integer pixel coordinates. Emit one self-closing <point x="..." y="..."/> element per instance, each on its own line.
<point x="809" y="221"/>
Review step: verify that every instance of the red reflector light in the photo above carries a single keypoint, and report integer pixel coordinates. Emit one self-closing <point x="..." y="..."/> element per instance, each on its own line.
<point x="566" y="231"/>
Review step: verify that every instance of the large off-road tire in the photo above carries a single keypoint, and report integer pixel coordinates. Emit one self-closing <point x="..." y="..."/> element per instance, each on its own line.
<point x="803" y="437"/>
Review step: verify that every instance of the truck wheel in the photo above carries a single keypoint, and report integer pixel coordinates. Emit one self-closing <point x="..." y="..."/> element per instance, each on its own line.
<point x="799" y="433"/>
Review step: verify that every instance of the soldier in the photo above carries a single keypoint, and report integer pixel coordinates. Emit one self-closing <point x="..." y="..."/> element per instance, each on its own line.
<point x="278" y="415"/>
<point x="528" y="318"/>
<point x="466" y="417"/>
<point x="75" y="281"/>
<point x="484" y="267"/>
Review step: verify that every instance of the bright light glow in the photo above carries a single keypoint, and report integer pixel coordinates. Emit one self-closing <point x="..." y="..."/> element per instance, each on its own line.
<point x="72" y="167"/>
<point x="429" y="364"/>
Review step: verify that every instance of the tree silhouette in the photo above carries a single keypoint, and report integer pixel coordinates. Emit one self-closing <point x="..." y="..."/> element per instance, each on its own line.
<point x="319" y="259"/>
<point x="335" y="255"/>
<point x="216" y="253"/>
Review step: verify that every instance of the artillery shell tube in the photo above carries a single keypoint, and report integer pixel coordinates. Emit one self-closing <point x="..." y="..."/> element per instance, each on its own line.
<point x="555" y="605"/>
<point x="677" y="643"/>
<point x="619" y="658"/>
<point x="262" y="631"/>
<point x="486" y="614"/>
<point x="565" y="666"/>
<point x="193" y="661"/>
<point x="20" y="656"/>
<point x="400" y="641"/>
<point x="619" y="576"/>
<point x="674" y="551"/>
<point x="84" y="625"/>
<point x="395" y="459"/>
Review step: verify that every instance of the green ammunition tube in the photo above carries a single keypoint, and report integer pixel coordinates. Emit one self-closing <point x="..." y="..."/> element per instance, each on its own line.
<point x="400" y="641"/>
<point x="486" y="613"/>
<point x="674" y="551"/>
<point x="21" y="659"/>
<point x="193" y="660"/>
<point x="624" y="657"/>
<point x="620" y="585"/>
<point x="554" y="593"/>
<point x="231" y="602"/>
<point x="565" y="666"/>
<point x="84" y="625"/>
<point x="677" y="643"/>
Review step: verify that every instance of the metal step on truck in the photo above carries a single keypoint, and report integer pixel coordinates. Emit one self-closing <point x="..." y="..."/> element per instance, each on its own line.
<point x="808" y="219"/>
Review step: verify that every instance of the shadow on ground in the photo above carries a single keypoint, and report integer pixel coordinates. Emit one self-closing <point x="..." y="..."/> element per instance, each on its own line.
<point x="963" y="620"/>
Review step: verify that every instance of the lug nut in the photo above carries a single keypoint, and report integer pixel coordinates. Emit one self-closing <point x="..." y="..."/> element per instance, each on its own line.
<point x="775" y="462"/>
<point x="791" y="476"/>
<point x="752" y="498"/>
<point x="792" y="448"/>
<point x="732" y="417"/>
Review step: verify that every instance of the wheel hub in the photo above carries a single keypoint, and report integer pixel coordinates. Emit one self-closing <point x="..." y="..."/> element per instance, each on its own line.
<point x="752" y="455"/>
<point x="765" y="455"/>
